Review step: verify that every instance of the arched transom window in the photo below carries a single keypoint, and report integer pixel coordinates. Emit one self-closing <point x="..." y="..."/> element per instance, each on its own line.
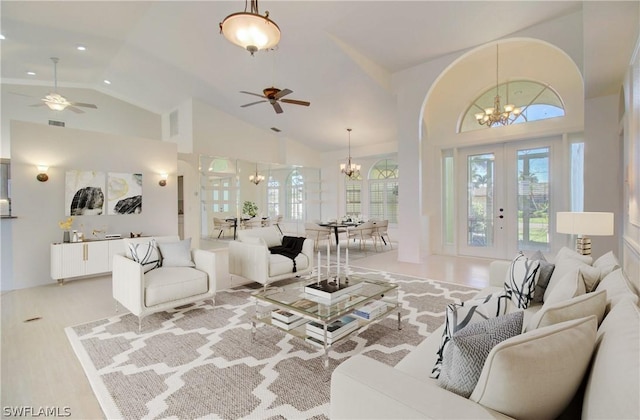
<point x="537" y="101"/>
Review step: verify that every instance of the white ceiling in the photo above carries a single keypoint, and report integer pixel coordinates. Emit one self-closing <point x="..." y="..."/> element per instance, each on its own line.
<point x="338" y="55"/>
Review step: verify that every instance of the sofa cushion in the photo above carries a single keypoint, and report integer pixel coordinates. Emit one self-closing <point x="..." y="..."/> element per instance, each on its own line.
<point x="613" y="385"/>
<point x="146" y="254"/>
<point x="520" y="282"/>
<point x="279" y="264"/>
<point x="469" y="347"/>
<point x="617" y="287"/>
<point x="607" y="263"/>
<point x="544" y="275"/>
<point x="176" y="254"/>
<point x="466" y="313"/>
<point x="535" y="375"/>
<point x="566" y="261"/>
<point x="168" y="284"/>
<point x="568" y="287"/>
<point x="578" y="307"/>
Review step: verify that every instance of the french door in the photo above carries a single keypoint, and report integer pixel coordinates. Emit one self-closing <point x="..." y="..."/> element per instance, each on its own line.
<point x="505" y="198"/>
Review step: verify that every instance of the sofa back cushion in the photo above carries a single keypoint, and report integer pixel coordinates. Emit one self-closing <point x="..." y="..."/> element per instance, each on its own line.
<point x="270" y="234"/>
<point x="535" y="375"/>
<point x="578" y="307"/>
<point x="617" y="287"/>
<point x="613" y="385"/>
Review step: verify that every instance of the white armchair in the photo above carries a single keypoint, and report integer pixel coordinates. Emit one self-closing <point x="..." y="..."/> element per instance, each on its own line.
<point x="250" y="258"/>
<point x="165" y="287"/>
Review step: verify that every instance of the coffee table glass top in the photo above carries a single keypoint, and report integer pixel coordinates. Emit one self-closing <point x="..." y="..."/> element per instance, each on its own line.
<point x="294" y="298"/>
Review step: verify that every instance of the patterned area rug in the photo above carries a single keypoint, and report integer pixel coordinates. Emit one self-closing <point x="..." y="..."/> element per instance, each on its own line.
<point x="199" y="361"/>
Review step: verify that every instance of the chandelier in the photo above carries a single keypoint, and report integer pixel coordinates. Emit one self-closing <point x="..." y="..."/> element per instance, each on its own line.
<point x="250" y="30"/>
<point x="350" y="169"/>
<point x="256" y="178"/>
<point x="498" y="115"/>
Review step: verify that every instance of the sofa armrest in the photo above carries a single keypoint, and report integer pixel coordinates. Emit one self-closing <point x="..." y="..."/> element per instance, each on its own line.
<point x="498" y="272"/>
<point x="249" y="260"/>
<point x="128" y="283"/>
<point x="206" y="261"/>
<point x="362" y="387"/>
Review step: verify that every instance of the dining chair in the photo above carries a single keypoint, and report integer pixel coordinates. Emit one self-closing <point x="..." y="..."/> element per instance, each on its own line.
<point x="362" y="233"/>
<point x="277" y="221"/>
<point x="317" y="233"/>
<point x="381" y="232"/>
<point x="221" y="225"/>
<point x="254" y="222"/>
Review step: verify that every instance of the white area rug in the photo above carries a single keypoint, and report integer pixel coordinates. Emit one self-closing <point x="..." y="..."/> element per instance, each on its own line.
<point x="200" y="362"/>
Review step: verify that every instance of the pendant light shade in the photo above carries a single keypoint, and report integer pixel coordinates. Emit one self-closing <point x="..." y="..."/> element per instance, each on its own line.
<point x="250" y="30"/>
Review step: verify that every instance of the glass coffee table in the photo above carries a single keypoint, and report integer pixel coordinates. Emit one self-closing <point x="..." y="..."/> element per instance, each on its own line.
<point x="326" y="322"/>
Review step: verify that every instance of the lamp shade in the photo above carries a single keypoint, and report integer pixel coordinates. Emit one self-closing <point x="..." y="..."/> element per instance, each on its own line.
<point x="585" y="223"/>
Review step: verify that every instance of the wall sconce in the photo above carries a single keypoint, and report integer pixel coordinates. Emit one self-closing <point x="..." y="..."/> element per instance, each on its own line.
<point x="42" y="173"/>
<point x="163" y="180"/>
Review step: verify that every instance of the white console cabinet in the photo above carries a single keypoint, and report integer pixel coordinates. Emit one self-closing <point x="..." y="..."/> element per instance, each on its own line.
<point x="77" y="259"/>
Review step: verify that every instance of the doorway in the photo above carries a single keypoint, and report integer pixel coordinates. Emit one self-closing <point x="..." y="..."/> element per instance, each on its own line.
<point x="505" y="198"/>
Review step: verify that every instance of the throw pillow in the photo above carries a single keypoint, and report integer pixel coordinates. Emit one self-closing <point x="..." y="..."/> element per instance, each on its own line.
<point x="176" y="254"/>
<point x="146" y="254"/>
<point x="460" y="315"/>
<point x="569" y="286"/>
<point x="536" y="374"/>
<point x="521" y="280"/>
<point x="613" y="384"/>
<point x="575" y="308"/>
<point x="563" y="266"/>
<point x="607" y="263"/>
<point x="591" y="276"/>
<point x="617" y="287"/>
<point x="469" y="348"/>
<point x="572" y="254"/>
<point x="544" y="275"/>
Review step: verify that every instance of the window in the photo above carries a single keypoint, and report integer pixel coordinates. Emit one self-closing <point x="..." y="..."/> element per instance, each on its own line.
<point x="577" y="176"/>
<point x="273" y="197"/>
<point x="538" y="101"/>
<point x="5" y="187"/>
<point x="533" y="198"/>
<point x="353" y="189"/>
<point x="295" y="196"/>
<point x="448" y="198"/>
<point x="383" y="191"/>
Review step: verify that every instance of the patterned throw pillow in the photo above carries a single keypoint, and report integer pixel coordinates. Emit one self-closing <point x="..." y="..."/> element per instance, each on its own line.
<point x="546" y="270"/>
<point x="146" y="254"/>
<point x="469" y="348"/>
<point x="466" y="313"/>
<point x="520" y="283"/>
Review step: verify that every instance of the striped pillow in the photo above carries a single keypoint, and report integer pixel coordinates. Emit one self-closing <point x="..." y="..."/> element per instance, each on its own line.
<point x="520" y="283"/>
<point x="146" y="254"/>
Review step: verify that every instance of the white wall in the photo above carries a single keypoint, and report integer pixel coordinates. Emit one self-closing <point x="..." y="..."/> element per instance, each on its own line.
<point x="112" y="116"/>
<point x="39" y="206"/>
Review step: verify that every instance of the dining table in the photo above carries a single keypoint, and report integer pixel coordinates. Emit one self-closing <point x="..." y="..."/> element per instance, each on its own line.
<point x="337" y="225"/>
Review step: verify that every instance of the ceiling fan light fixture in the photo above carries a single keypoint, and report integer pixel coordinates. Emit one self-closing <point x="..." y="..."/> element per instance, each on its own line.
<point x="250" y="30"/>
<point x="55" y="102"/>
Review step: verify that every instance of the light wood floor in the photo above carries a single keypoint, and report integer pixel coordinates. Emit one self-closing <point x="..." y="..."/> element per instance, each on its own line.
<point x="40" y="369"/>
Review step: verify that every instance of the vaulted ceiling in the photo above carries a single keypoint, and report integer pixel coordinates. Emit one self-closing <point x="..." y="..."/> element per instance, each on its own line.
<point x="339" y="55"/>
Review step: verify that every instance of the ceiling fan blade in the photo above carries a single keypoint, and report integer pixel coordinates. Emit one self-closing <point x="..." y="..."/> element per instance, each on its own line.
<point x="23" y="94"/>
<point x="277" y="107"/>
<point x="296" y="102"/>
<point x="252" y="103"/>
<point x="74" y="109"/>
<point x="282" y="93"/>
<point x="40" y="104"/>
<point x="83" y="104"/>
<point x="251" y="93"/>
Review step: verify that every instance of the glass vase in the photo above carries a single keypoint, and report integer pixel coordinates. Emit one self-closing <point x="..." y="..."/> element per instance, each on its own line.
<point x="66" y="237"/>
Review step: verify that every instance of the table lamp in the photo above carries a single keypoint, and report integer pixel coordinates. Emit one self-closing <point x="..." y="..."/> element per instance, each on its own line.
<point x="583" y="224"/>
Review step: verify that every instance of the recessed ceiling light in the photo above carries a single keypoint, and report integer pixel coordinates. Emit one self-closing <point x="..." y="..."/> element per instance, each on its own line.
<point x="1" y="36"/>
<point x="81" y="48"/>
<point x="31" y="73"/>
<point x="107" y="82"/>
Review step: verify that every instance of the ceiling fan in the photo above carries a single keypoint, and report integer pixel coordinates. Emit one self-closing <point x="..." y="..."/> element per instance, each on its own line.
<point x="273" y="96"/>
<point x="57" y="102"/>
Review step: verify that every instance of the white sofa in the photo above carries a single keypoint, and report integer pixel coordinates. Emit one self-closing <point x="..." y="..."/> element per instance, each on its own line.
<point x="250" y="258"/>
<point x="362" y="387"/>
<point x="164" y="287"/>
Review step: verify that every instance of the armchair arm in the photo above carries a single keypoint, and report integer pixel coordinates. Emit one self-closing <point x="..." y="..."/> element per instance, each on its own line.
<point x="206" y="261"/>
<point x="128" y="283"/>
<point x="249" y="260"/>
<point x="362" y="387"/>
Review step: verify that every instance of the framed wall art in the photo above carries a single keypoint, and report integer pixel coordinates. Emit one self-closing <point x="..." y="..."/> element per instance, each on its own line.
<point x="124" y="193"/>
